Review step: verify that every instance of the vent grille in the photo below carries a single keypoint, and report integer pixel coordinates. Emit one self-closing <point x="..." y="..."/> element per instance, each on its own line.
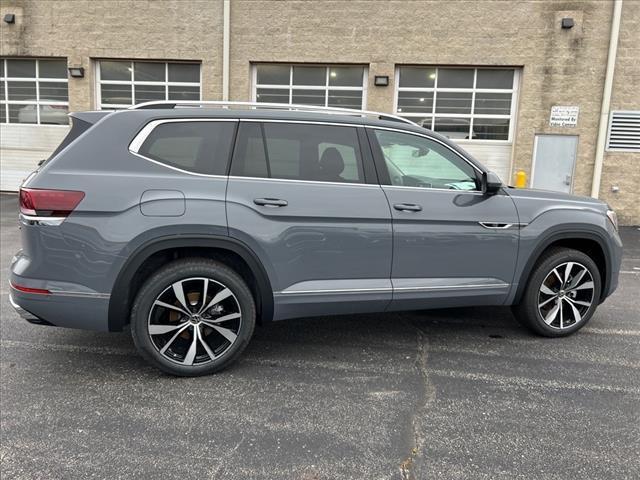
<point x="624" y="131"/>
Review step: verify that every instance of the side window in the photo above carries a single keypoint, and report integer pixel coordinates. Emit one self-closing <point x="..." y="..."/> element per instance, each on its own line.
<point x="298" y="152"/>
<point x="415" y="161"/>
<point x="199" y="147"/>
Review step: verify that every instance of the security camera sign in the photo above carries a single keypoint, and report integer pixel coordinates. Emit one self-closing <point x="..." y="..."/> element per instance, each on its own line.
<point x="563" y="116"/>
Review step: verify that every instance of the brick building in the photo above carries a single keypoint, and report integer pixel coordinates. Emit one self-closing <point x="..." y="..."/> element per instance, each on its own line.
<point x="494" y="76"/>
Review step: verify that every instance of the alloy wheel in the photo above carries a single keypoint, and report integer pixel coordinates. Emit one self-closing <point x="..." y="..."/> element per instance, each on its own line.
<point x="194" y="321"/>
<point x="565" y="295"/>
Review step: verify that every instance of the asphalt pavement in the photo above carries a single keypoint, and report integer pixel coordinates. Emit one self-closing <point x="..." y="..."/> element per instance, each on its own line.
<point x="447" y="394"/>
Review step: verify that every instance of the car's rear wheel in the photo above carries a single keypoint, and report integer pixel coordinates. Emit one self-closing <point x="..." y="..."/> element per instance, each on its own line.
<point x="562" y="293"/>
<point x="193" y="317"/>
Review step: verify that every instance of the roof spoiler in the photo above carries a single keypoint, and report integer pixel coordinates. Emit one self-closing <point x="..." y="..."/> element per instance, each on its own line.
<point x="80" y="123"/>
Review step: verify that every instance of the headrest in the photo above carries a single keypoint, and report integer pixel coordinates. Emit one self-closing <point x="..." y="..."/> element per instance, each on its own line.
<point x="331" y="163"/>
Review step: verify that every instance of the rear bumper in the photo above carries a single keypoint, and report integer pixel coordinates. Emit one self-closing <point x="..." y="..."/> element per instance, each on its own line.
<point x="65" y="305"/>
<point x="30" y="317"/>
<point x="62" y="309"/>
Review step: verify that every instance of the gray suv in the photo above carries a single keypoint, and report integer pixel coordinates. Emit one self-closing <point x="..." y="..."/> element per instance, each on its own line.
<point x="192" y="223"/>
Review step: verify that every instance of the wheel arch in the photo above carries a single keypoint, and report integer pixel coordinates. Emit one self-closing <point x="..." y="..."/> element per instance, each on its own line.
<point x="585" y="240"/>
<point x="225" y="248"/>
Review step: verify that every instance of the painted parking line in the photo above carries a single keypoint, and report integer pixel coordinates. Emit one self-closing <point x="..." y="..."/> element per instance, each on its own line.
<point x="527" y="383"/>
<point x="612" y="331"/>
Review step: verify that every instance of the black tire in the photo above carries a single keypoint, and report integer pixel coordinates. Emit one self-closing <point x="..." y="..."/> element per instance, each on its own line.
<point x="528" y="312"/>
<point x="146" y="313"/>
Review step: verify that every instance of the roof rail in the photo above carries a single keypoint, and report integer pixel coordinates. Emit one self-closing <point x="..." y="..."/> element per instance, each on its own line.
<point x="270" y="106"/>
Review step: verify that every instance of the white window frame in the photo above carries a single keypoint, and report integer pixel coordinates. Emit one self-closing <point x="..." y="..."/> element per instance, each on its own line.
<point x="132" y="83"/>
<point x="326" y="87"/>
<point x="4" y="83"/>
<point x="471" y="116"/>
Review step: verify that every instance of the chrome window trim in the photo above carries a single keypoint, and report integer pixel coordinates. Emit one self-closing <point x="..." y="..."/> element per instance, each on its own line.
<point x="171" y="167"/>
<point x="141" y="136"/>
<point x="320" y="182"/>
<point x="429" y="189"/>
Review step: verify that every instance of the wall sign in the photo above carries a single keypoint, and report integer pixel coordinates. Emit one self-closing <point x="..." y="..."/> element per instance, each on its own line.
<point x="563" y="116"/>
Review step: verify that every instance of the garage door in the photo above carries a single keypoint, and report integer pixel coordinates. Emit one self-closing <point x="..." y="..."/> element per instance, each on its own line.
<point x="496" y="158"/>
<point x="473" y="106"/>
<point x="22" y="147"/>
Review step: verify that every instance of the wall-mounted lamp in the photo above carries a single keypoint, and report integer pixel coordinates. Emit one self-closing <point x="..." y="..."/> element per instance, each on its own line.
<point x="76" y="72"/>
<point x="10" y="18"/>
<point x="567" y="23"/>
<point x="381" y="81"/>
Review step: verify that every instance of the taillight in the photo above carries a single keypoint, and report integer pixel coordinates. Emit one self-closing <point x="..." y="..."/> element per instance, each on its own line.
<point x="37" y="291"/>
<point x="49" y="203"/>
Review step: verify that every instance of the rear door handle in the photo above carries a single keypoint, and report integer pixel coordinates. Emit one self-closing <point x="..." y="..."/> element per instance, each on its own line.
<point x="270" y="202"/>
<point x="407" y="207"/>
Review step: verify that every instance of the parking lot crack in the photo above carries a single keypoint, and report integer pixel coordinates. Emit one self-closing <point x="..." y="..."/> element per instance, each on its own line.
<point x="426" y="396"/>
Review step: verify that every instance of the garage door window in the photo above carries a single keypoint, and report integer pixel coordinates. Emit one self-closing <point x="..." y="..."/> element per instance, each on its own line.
<point x="325" y="86"/>
<point x="125" y="83"/>
<point x="461" y="103"/>
<point x="34" y="91"/>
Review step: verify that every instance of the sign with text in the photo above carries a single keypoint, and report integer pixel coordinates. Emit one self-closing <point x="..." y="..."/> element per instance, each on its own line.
<point x="563" y="116"/>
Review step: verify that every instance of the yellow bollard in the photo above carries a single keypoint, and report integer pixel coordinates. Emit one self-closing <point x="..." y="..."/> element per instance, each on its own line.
<point x="521" y="179"/>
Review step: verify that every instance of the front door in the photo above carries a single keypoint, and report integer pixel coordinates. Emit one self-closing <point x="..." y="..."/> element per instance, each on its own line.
<point x="301" y="197"/>
<point x="554" y="161"/>
<point x="452" y="244"/>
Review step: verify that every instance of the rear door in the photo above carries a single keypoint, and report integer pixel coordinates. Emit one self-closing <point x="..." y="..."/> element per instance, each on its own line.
<point x="304" y="198"/>
<point x="452" y="244"/>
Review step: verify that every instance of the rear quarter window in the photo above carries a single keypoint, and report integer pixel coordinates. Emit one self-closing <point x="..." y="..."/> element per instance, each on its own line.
<point x="198" y="147"/>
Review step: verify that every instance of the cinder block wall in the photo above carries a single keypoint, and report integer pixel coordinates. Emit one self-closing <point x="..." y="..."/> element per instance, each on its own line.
<point x="559" y="67"/>
<point x="85" y="30"/>
<point x="622" y="169"/>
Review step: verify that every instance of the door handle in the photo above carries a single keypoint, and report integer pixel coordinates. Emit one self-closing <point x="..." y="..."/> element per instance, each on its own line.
<point x="407" y="207"/>
<point x="270" y="202"/>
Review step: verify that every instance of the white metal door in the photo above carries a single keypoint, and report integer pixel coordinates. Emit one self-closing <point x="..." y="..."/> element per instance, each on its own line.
<point x="554" y="159"/>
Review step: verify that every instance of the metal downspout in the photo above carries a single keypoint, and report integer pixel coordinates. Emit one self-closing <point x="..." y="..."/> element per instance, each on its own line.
<point x="606" y="98"/>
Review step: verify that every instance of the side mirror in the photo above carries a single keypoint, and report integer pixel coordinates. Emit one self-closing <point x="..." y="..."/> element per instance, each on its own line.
<point x="491" y="183"/>
<point x="420" y="152"/>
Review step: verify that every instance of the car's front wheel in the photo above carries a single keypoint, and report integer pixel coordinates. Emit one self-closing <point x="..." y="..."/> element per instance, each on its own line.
<point x="562" y="293"/>
<point x="193" y="317"/>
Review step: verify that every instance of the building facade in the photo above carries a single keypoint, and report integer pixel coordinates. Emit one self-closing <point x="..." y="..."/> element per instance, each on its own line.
<point x="520" y="85"/>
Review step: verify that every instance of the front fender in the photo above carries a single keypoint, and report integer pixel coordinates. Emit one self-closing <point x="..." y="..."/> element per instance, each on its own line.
<point x="562" y="224"/>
